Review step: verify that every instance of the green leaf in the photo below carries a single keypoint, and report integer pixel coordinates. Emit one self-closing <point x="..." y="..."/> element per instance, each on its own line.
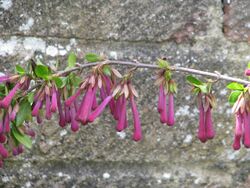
<point x="233" y="97"/>
<point x="167" y="75"/>
<point x="71" y="60"/>
<point x="162" y="63"/>
<point x="30" y="97"/>
<point x="42" y="71"/>
<point x="235" y="86"/>
<point x="74" y="80"/>
<point x="106" y="70"/>
<point x="59" y="82"/>
<point x="20" y="70"/>
<point x="24" y="112"/>
<point x="193" y="81"/>
<point x="90" y="57"/>
<point x="23" y="139"/>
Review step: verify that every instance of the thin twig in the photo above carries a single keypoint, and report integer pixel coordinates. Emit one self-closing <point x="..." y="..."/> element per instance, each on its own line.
<point x="150" y="66"/>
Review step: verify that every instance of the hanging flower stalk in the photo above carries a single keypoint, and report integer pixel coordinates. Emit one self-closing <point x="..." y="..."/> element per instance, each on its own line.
<point x="167" y="88"/>
<point x="101" y="79"/>
<point x="206" y="102"/>
<point x="123" y="93"/>
<point x="240" y="99"/>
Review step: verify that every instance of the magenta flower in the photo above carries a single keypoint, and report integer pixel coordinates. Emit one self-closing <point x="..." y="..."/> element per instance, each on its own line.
<point x="54" y="107"/>
<point x="161" y="99"/>
<point x="5" y="103"/>
<point x="6" y="123"/>
<point x="247" y="72"/>
<point x="62" y="121"/>
<point x="99" y="109"/>
<point x="3" y="152"/>
<point x="39" y="119"/>
<point x="137" y="124"/>
<point x="15" y="151"/>
<point x="246" y="141"/>
<point x="36" y="108"/>
<point x="4" y="79"/>
<point x="2" y="138"/>
<point x="202" y="129"/>
<point x="238" y="131"/>
<point x="48" y="114"/>
<point x="72" y="98"/>
<point x="74" y="124"/>
<point x="86" y="106"/>
<point x="162" y="108"/>
<point x="118" y="106"/>
<point x="67" y="114"/>
<point x="170" y="119"/>
<point x="122" y="117"/>
<point x="210" y="133"/>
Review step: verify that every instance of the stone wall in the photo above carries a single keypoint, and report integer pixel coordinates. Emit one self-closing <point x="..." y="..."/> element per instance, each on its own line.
<point x="191" y="33"/>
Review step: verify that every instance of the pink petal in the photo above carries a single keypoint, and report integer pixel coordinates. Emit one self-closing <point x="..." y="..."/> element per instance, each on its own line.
<point x="137" y="123"/>
<point x="122" y="114"/>
<point x="202" y="129"/>
<point x="7" y="99"/>
<point x="210" y="133"/>
<point x="53" y="107"/>
<point x="99" y="109"/>
<point x="170" y="119"/>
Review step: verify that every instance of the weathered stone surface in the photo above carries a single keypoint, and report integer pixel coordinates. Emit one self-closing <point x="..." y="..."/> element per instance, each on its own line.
<point x="237" y="21"/>
<point x="116" y="20"/>
<point x="98" y="156"/>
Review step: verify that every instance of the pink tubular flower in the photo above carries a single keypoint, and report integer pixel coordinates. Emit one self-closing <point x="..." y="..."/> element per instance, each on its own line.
<point x="3" y="152"/>
<point x="161" y="99"/>
<point x="54" y="107"/>
<point x="67" y="114"/>
<point x="72" y="98"/>
<point x="6" y="123"/>
<point x="162" y="108"/>
<point x="247" y="72"/>
<point x="246" y="129"/>
<point x="86" y="106"/>
<point x="99" y="109"/>
<point x="39" y="119"/>
<point x="137" y="124"/>
<point x="202" y="129"/>
<point x="15" y="151"/>
<point x="7" y="99"/>
<point x="4" y="79"/>
<point x="121" y="122"/>
<point x="210" y="133"/>
<point x="95" y="104"/>
<point x="118" y="107"/>
<point x="36" y="108"/>
<point x="74" y="124"/>
<point x="2" y="138"/>
<point x="48" y="114"/>
<point x="62" y="121"/>
<point x="238" y="131"/>
<point x="170" y="119"/>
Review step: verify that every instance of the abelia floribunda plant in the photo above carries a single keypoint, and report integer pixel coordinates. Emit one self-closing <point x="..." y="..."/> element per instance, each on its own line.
<point x="167" y="88"/>
<point x="206" y="102"/>
<point x="40" y="91"/>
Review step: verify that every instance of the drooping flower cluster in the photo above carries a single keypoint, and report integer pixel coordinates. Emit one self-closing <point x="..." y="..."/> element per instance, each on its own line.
<point x="9" y="145"/>
<point x="166" y="97"/>
<point x="123" y="92"/>
<point x="242" y="121"/>
<point x="206" y="130"/>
